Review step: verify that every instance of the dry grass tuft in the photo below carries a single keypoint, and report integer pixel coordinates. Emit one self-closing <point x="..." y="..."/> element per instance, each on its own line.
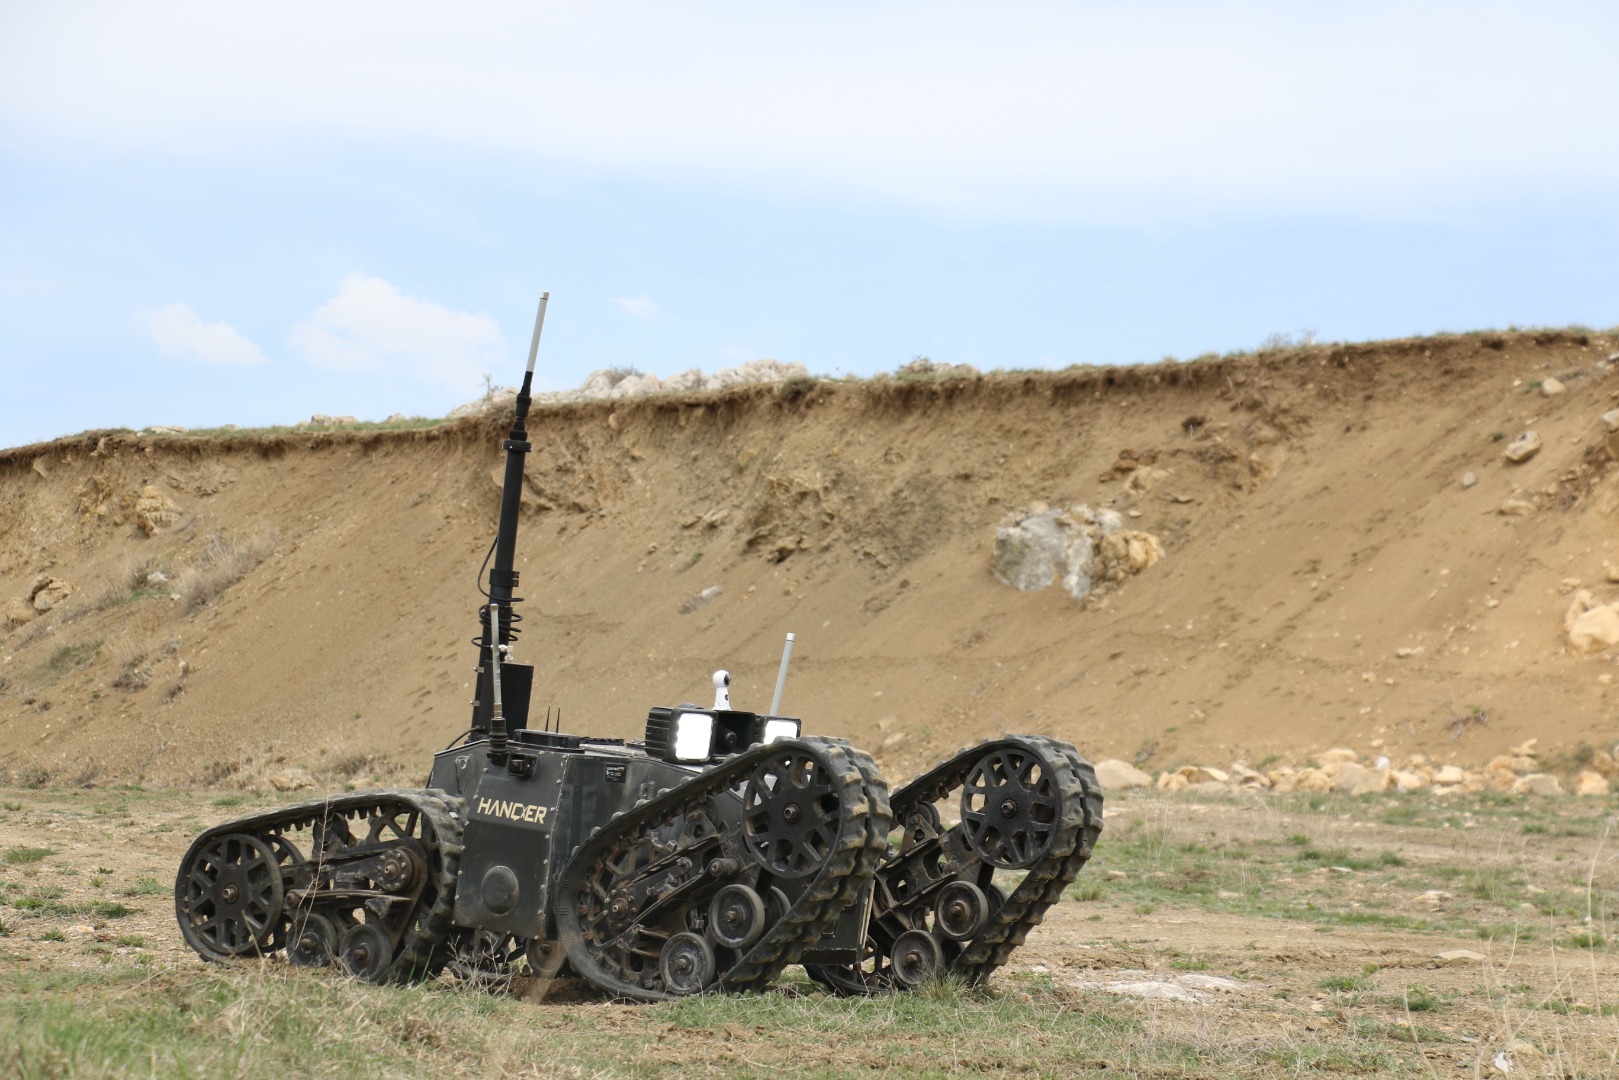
<point x="224" y="562"/>
<point x="127" y="655"/>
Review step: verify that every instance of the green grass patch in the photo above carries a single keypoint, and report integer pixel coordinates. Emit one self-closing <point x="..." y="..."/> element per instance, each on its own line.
<point x="23" y="854"/>
<point x="48" y="901"/>
<point x="144" y="886"/>
<point x="252" y="1021"/>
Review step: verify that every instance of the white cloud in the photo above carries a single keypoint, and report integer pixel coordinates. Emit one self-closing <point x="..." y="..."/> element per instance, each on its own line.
<point x="179" y="331"/>
<point x="1044" y="108"/>
<point x="371" y="326"/>
<point x="639" y="307"/>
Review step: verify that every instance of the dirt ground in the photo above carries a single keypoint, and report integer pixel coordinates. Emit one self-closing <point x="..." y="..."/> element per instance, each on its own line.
<point x="1327" y="578"/>
<point x="1316" y="927"/>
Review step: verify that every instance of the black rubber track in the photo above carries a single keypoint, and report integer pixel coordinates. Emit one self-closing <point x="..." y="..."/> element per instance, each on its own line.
<point x="418" y="954"/>
<point x="1079" y="827"/>
<point x="862" y="840"/>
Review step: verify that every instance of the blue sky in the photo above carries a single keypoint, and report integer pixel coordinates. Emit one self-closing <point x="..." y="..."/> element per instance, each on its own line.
<point x="214" y="214"/>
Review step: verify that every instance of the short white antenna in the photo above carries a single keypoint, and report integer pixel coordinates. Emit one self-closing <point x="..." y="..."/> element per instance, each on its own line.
<point x="781" y="677"/>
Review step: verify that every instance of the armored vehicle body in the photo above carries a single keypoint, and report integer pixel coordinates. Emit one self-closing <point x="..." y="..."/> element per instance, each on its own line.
<point x="707" y="855"/>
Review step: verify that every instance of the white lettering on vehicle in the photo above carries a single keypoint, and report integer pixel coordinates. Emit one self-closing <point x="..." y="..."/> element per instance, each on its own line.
<point x="511" y="810"/>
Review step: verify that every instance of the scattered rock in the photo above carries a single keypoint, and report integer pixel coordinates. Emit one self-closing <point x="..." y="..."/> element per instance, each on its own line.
<point x="1449" y="774"/>
<point x="498" y="398"/>
<point x="1129" y="552"/>
<point x="1591" y="783"/>
<point x="1611" y="419"/>
<point x="617" y="383"/>
<point x="1537" y="784"/>
<point x="1265" y="463"/>
<point x="293" y="779"/>
<point x="1313" y="781"/>
<point x="1116" y="775"/>
<point x="1172" y="781"/>
<point x="1516" y="507"/>
<point x="1409" y="781"/>
<point x="922" y="366"/>
<point x="1550" y="387"/>
<point x="700" y="599"/>
<point x="46" y="592"/>
<point x="1522" y="448"/>
<point x="18" y="612"/>
<point x="1591" y="626"/>
<point x="1355" y="779"/>
<point x="1247" y="777"/>
<point x="1468" y="480"/>
<point x="396" y="418"/>
<point x="1152" y="990"/>
<point x="1459" y="956"/>
<point x="1603" y="764"/>
<point x="166" y="429"/>
<point x="323" y="421"/>
<point x="1409" y="651"/>
<point x="1145" y="479"/>
<point x="154" y="510"/>
<point x="1336" y="756"/>
<point x="1079" y="546"/>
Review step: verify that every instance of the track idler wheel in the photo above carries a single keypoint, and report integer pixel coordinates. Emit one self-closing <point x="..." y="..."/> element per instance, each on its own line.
<point x="736" y="917"/>
<point x="228" y="896"/>
<point x="790" y="808"/>
<point x="313" y="942"/>
<point x="686" y="963"/>
<point x="1010" y="808"/>
<point x="960" y="911"/>
<point x="916" y="958"/>
<point x="365" y="952"/>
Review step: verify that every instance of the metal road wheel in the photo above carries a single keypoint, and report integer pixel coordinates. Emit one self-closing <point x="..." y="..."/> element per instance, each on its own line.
<point x="313" y="941"/>
<point x="960" y="911"/>
<point x="790" y="810"/>
<point x="1010" y="808"/>
<point x="736" y="917"/>
<point x="228" y="896"/>
<point x="916" y="957"/>
<point x="871" y="974"/>
<point x="364" y="951"/>
<point x="546" y="959"/>
<point x="776" y="905"/>
<point x="687" y="963"/>
<point x="996" y="896"/>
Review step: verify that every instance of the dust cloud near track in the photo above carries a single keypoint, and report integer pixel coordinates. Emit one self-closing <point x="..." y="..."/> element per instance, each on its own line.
<point x="303" y="601"/>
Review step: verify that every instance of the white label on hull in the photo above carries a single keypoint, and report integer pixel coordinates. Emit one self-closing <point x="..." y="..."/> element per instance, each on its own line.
<point x="512" y="811"/>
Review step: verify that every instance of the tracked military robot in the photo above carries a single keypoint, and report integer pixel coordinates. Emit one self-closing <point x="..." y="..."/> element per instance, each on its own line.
<point x="708" y="855"/>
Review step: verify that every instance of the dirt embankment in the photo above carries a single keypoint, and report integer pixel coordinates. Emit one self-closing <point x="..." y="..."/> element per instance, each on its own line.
<point x="1327" y="578"/>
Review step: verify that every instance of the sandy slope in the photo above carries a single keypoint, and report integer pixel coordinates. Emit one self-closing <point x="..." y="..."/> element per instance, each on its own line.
<point x="1313" y="520"/>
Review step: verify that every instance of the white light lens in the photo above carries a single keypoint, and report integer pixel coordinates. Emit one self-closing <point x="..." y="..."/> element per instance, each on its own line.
<point x="694" y="736"/>
<point x="780" y="729"/>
